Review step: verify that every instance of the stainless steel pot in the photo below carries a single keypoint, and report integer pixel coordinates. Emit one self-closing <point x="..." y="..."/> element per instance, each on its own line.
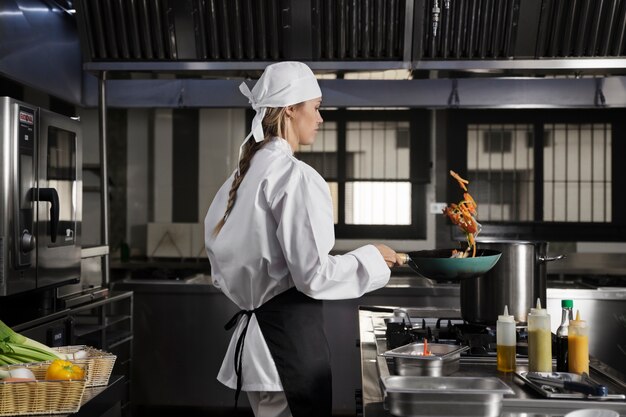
<point x="517" y="280"/>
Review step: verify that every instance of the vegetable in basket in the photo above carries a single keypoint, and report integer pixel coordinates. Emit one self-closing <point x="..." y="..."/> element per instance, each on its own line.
<point x="16" y="348"/>
<point x="17" y="375"/>
<point x="64" y="370"/>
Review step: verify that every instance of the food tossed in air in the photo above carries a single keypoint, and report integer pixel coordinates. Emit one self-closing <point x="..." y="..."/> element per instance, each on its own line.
<point x="463" y="215"/>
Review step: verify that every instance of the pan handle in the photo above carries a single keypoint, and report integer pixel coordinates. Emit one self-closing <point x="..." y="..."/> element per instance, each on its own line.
<point x="406" y="257"/>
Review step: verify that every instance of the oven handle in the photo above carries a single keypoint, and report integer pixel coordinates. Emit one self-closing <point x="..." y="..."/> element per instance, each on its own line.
<point x="50" y="195"/>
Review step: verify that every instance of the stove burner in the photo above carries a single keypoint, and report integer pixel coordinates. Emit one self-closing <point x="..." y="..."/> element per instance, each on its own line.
<point x="480" y="338"/>
<point x="401" y="332"/>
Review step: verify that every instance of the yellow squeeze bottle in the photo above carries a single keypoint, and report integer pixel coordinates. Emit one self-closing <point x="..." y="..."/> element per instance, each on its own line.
<point x="505" y="341"/>
<point x="578" y="346"/>
<point x="539" y="340"/>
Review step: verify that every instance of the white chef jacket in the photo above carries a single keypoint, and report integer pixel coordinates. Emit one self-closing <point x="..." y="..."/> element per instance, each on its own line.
<point x="279" y="235"/>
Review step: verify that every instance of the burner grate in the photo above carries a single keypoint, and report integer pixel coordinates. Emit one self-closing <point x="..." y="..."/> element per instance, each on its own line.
<point x="480" y="338"/>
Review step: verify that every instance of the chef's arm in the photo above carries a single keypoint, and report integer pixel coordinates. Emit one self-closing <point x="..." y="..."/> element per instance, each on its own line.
<point x="306" y="234"/>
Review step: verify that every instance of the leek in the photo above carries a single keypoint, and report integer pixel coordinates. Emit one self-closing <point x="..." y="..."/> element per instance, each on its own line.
<point x="35" y="354"/>
<point x="15" y="345"/>
<point x="8" y="360"/>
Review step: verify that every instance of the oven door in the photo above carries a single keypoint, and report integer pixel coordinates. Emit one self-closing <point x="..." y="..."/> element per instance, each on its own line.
<point x="60" y="200"/>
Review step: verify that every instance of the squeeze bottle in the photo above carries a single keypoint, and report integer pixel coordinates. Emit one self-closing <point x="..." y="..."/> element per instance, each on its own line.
<point x="539" y="340"/>
<point x="561" y="336"/>
<point x="505" y="341"/>
<point x="578" y="345"/>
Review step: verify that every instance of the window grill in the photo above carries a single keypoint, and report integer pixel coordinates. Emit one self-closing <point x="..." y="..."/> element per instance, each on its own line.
<point x="577" y="173"/>
<point x="501" y="171"/>
<point x="378" y="190"/>
<point x="368" y="160"/>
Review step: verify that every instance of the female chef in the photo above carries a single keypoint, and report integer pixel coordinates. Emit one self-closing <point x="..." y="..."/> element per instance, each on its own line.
<point x="268" y="235"/>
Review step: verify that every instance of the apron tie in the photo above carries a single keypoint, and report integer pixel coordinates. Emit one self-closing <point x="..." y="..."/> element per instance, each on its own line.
<point x="239" y="348"/>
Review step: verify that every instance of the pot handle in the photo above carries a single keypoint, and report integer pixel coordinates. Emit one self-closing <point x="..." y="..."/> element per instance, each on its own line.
<point x="550" y="259"/>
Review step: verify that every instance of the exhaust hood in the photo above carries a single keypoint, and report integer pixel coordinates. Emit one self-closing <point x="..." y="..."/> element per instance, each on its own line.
<point x="242" y="36"/>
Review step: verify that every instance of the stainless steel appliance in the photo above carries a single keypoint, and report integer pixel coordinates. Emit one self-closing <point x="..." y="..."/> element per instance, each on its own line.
<point x="40" y="198"/>
<point x="517" y="280"/>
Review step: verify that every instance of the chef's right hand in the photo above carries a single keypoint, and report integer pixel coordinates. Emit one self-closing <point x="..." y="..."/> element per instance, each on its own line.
<point x="390" y="256"/>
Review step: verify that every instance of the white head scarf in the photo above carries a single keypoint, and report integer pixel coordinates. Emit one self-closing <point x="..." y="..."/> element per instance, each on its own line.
<point x="281" y="84"/>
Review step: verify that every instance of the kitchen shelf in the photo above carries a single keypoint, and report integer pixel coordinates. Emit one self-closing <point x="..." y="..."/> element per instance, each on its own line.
<point x="118" y="339"/>
<point x="82" y="330"/>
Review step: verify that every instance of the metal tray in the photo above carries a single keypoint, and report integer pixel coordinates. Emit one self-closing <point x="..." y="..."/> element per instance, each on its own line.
<point x="408" y="360"/>
<point x="442" y="396"/>
<point x="553" y="392"/>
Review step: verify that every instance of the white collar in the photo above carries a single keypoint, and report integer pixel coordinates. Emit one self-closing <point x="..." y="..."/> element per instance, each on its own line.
<point x="280" y="143"/>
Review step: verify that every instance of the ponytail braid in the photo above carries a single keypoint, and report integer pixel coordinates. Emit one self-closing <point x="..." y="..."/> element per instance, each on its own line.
<point x="273" y="125"/>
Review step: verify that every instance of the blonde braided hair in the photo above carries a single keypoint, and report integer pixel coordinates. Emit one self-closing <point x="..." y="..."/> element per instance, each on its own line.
<point x="273" y="125"/>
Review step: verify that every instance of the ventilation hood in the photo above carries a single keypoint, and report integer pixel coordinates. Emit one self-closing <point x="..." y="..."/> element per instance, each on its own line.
<point x="242" y="36"/>
<point x="183" y="48"/>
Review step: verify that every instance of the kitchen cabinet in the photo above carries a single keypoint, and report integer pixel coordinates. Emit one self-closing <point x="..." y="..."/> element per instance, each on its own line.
<point x="179" y="331"/>
<point x="188" y="338"/>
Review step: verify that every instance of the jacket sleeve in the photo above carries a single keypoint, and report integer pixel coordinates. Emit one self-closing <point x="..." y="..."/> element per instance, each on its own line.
<point x="304" y="215"/>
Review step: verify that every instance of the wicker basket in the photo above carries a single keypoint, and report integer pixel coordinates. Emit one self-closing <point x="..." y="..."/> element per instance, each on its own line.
<point x="100" y="363"/>
<point x="41" y="396"/>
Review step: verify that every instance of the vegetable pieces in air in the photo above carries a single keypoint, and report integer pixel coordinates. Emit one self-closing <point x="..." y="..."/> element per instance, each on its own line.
<point x="463" y="215"/>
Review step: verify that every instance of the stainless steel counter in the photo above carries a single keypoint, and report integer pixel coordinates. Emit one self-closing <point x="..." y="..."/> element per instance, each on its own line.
<point x="590" y="264"/>
<point x="523" y="403"/>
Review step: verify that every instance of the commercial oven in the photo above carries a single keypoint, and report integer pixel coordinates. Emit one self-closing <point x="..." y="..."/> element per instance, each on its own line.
<point x="40" y="198"/>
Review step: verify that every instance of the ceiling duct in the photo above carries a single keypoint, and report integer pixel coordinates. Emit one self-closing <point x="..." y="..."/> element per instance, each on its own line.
<point x="242" y="30"/>
<point x="346" y="35"/>
<point x="582" y="28"/>
<point x="538" y="29"/>
<point x="470" y="29"/>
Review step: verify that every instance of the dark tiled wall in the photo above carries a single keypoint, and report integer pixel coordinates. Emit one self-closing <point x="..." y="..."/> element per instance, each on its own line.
<point x="116" y="155"/>
<point x="185" y="124"/>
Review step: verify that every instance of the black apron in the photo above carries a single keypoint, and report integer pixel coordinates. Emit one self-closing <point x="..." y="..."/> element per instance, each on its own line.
<point x="292" y="325"/>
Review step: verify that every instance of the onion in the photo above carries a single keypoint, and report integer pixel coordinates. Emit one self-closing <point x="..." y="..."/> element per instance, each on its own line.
<point x="21" y="373"/>
<point x="81" y="354"/>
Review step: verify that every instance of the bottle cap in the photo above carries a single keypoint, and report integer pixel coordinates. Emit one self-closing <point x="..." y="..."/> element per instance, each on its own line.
<point x="506" y="316"/>
<point x="577" y="321"/>
<point x="567" y="304"/>
<point x="538" y="311"/>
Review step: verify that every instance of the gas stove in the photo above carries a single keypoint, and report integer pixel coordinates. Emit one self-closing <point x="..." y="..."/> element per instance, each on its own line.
<point x="403" y="327"/>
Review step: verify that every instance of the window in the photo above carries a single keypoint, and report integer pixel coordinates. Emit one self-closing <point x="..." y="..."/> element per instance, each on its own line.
<point x="497" y="140"/>
<point x="376" y="165"/>
<point x="545" y="174"/>
<point x="577" y="175"/>
<point x="501" y="173"/>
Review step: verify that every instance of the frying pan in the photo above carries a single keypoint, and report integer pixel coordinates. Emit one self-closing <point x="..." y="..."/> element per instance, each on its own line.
<point x="437" y="265"/>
